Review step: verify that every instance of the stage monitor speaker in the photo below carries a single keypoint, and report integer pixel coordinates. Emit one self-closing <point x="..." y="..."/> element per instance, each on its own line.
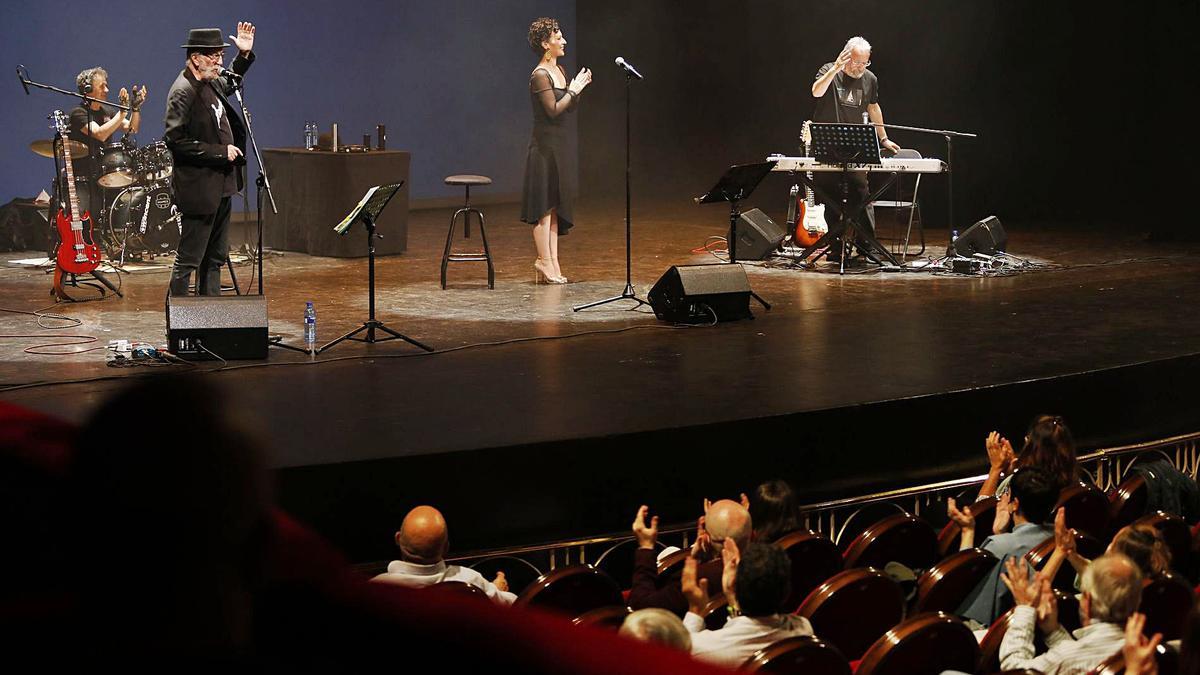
<point x="986" y="236"/>
<point x="702" y="294"/>
<point x="201" y="327"/>
<point x="757" y="235"/>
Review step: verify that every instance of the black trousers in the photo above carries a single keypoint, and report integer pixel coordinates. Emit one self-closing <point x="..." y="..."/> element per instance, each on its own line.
<point x="859" y="190"/>
<point x="203" y="248"/>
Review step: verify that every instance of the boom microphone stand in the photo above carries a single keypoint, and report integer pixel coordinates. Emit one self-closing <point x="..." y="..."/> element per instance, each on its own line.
<point x="628" y="293"/>
<point x="949" y="136"/>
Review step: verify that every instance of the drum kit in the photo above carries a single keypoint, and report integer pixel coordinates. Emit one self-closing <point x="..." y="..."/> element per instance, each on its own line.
<point x="138" y="218"/>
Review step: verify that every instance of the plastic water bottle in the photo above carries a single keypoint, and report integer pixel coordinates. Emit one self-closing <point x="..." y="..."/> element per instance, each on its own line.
<point x="310" y="135"/>
<point x="310" y="327"/>
<point x="953" y="241"/>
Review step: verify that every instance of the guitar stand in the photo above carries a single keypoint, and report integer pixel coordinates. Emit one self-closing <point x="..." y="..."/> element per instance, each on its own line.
<point x="59" y="292"/>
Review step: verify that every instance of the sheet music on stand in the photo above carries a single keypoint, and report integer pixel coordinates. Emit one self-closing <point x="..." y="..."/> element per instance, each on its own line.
<point x="370" y="206"/>
<point x="838" y="143"/>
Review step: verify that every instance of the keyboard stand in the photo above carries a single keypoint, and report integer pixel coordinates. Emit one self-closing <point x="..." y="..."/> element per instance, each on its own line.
<point x="847" y="227"/>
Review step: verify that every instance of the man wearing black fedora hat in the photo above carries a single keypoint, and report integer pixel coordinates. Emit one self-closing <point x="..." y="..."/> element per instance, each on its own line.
<point x="208" y="141"/>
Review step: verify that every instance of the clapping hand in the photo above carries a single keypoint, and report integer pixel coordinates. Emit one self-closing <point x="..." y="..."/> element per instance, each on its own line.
<point x="1025" y="588"/>
<point x="646" y="536"/>
<point x="1064" y="537"/>
<point x="1047" y="608"/>
<point x="1003" y="513"/>
<point x="1139" y="651"/>
<point x="581" y="81"/>
<point x="695" y="591"/>
<point x="963" y="517"/>
<point x="999" y="451"/>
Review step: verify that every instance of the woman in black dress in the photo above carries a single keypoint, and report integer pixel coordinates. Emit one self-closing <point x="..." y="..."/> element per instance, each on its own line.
<point x="549" y="183"/>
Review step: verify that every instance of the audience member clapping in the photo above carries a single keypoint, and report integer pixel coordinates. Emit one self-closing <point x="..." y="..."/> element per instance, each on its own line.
<point x="756" y="581"/>
<point x="1028" y="506"/>
<point x="722" y="520"/>
<point x="1049" y="446"/>
<point x="1112" y="589"/>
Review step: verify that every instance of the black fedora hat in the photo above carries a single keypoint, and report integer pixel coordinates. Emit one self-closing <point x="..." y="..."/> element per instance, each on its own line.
<point x="205" y="38"/>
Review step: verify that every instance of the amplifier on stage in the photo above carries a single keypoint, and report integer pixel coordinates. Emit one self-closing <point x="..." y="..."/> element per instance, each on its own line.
<point x="201" y="327"/>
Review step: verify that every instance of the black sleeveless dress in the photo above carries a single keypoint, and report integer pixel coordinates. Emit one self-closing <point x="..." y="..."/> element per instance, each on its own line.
<point x="550" y="176"/>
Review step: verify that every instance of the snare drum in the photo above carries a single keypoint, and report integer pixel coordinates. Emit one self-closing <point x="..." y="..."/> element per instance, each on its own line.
<point x="116" y="166"/>
<point x="154" y="162"/>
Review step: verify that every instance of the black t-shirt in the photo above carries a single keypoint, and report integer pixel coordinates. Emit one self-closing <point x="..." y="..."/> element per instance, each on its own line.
<point x="79" y="121"/>
<point x="847" y="97"/>
<point x="212" y="105"/>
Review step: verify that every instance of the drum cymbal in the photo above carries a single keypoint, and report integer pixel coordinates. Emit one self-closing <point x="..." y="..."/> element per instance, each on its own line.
<point x="46" y="148"/>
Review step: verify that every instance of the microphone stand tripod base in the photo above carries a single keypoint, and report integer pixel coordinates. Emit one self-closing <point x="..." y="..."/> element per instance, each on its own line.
<point x="627" y="294"/>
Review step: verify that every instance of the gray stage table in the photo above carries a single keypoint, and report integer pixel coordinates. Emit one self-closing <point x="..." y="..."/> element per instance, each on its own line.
<point x="315" y="189"/>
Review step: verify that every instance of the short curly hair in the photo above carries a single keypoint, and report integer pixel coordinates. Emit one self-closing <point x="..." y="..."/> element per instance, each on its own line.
<point x="540" y="31"/>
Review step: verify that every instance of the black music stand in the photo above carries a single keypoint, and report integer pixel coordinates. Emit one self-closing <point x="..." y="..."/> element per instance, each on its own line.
<point x="368" y="210"/>
<point x="737" y="183"/>
<point x="846" y="145"/>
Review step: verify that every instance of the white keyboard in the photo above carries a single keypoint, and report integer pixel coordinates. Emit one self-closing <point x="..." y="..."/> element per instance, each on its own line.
<point x="889" y="165"/>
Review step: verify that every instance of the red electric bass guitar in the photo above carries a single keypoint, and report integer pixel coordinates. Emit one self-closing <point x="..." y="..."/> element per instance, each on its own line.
<point x="77" y="252"/>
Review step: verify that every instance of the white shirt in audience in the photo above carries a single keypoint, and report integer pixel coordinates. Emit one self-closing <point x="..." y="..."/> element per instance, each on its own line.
<point x="742" y="636"/>
<point x="1069" y="653"/>
<point x="412" y="575"/>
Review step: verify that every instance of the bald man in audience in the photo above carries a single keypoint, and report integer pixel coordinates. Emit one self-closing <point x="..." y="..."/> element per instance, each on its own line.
<point x="1112" y="589"/>
<point x="658" y="626"/>
<point x="724" y="519"/>
<point x="423" y="541"/>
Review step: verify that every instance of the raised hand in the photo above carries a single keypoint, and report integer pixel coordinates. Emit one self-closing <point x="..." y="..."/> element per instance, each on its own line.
<point x="500" y="582"/>
<point x="244" y="40"/>
<point x="123" y="96"/>
<point x="139" y="95"/>
<point x="646" y="536"/>
<point x="703" y="542"/>
<point x="840" y="62"/>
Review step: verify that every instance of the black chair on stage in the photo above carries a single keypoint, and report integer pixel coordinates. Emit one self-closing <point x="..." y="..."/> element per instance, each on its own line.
<point x="904" y="211"/>
<point x="449" y="256"/>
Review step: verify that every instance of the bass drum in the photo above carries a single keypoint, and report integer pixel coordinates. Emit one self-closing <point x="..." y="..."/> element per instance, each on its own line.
<point x="149" y="213"/>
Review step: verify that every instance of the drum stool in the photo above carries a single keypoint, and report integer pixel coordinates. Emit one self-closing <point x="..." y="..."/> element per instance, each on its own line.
<point x="449" y="256"/>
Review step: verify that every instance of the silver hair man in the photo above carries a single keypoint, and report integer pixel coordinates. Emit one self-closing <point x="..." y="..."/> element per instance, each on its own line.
<point x="658" y="626"/>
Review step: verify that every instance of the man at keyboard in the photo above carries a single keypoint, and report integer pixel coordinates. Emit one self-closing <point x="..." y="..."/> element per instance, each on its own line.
<point x="849" y="93"/>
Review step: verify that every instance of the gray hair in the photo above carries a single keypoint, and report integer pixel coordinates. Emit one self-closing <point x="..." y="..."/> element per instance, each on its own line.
<point x="85" y="77"/>
<point x="858" y="44"/>
<point x="658" y="626"/>
<point x="1114" y="584"/>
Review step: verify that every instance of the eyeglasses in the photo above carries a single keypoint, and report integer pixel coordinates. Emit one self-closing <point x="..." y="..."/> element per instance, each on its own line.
<point x="864" y="64"/>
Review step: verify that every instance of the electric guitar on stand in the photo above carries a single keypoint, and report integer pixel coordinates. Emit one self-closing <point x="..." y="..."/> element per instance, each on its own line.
<point x="810" y="222"/>
<point x="77" y="252"/>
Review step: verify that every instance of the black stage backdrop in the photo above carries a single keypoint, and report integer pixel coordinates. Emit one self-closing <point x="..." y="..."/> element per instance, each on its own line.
<point x="1071" y="105"/>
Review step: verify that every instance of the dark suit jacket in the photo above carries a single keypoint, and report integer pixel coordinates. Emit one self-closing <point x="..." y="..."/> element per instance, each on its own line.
<point x="201" y="159"/>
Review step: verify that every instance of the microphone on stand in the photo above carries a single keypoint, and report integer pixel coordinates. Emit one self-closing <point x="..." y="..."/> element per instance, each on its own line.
<point x="233" y="77"/>
<point x="23" y="78"/>
<point x="628" y="67"/>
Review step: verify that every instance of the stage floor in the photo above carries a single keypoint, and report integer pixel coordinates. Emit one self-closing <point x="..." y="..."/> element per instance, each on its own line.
<point x="516" y="368"/>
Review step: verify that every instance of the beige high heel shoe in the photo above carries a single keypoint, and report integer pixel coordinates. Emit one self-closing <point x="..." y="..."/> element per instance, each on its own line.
<point x="559" y="279"/>
<point x="540" y="276"/>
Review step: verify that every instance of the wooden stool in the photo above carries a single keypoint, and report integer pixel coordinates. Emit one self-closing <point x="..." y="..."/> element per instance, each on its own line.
<point x="449" y="256"/>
